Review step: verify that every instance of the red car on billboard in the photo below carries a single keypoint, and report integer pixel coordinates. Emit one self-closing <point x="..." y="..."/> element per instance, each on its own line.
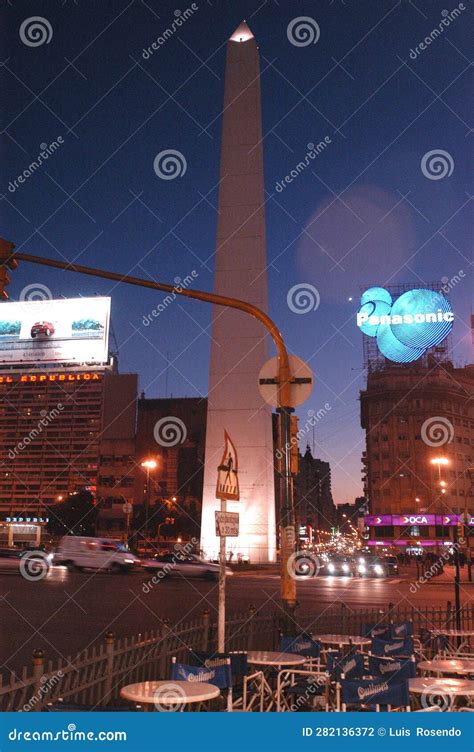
<point x="42" y="329"/>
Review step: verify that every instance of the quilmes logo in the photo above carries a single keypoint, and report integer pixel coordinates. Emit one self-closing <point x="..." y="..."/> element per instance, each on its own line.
<point x="407" y="327"/>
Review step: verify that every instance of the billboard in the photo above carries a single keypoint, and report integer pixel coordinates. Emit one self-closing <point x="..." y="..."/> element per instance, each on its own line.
<point x="72" y="330"/>
<point x="408" y="326"/>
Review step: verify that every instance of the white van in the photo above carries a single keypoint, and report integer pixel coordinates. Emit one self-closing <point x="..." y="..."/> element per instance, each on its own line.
<point x="77" y="553"/>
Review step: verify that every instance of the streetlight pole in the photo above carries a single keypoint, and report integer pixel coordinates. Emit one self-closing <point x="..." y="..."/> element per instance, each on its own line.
<point x="284" y="409"/>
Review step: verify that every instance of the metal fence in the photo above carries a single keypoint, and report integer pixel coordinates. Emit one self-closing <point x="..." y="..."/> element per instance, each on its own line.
<point x="95" y="676"/>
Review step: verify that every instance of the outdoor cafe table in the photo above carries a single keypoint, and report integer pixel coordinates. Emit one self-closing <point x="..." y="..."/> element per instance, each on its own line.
<point x="342" y="639"/>
<point x="460" y="636"/>
<point x="269" y="659"/>
<point x="169" y="692"/>
<point x="436" y="686"/>
<point x="461" y="666"/>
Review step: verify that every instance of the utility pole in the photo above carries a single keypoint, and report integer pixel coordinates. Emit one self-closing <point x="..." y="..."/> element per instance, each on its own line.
<point x="287" y="517"/>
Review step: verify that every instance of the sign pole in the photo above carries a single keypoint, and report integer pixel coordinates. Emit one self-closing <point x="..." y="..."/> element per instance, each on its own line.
<point x="221" y="607"/>
<point x="227" y="524"/>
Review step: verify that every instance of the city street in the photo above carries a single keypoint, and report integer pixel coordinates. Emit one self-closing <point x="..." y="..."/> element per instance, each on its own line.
<point x="65" y="613"/>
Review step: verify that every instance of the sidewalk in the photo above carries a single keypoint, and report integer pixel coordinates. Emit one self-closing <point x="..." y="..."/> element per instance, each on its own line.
<point x="446" y="577"/>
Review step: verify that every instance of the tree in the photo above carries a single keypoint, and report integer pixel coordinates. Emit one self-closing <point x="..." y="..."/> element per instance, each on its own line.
<point x="75" y="516"/>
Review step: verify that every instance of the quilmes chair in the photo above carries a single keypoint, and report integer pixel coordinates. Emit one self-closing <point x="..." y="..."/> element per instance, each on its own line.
<point x="247" y="689"/>
<point x="220" y="675"/>
<point x="304" y="645"/>
<point x="351" y="666"/>
<point x="392" y="669"/>
<point x="376" y="693"/>
<point x="400" y="630"/>
<point x="379" y="631"/>
<point x="401" y="647"/>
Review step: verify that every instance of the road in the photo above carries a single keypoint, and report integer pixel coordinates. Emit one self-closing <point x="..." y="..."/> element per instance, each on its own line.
<point x="65" y="612"/>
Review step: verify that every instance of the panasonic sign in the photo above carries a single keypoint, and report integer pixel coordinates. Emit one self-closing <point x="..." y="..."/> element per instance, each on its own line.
<point x="407" y="327"/>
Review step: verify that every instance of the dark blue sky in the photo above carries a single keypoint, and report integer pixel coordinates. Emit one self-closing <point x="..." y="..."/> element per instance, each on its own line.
<point x="362" y="213"/>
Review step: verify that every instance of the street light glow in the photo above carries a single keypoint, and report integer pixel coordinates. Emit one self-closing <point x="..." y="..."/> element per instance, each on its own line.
<point x="439" y="461"/>
<point x="149" y="464"/>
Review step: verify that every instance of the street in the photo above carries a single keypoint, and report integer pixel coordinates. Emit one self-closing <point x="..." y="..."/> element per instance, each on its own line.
<point x="65" y="613"/>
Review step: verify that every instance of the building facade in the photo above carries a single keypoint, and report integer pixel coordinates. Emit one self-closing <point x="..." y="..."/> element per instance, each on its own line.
<point x="314" y="505"/>
<point x="419" y="423"/>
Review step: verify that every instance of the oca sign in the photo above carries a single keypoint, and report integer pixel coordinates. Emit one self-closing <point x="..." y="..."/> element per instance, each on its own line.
<point x="407" y="327"/>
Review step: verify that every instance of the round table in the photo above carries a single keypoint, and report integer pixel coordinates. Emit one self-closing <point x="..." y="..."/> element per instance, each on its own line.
<point x="269" y="659"/>
<point x="274" y="658"/>
<point x="432" y="685"/>
<point x="340" y="640"/>
<point x="169" y="693"/>
<point x="460" y="666"/>
<point x="453" y="632"/>
<point x="457" y="638"/>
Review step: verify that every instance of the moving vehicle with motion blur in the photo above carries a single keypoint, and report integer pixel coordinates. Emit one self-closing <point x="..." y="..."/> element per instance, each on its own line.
<point x="78" y="553"/>
<point x="368" y="565"/>
<point x="338" y="565"/>
<point x="391" y="564"/>
<point x="184" y="565"/>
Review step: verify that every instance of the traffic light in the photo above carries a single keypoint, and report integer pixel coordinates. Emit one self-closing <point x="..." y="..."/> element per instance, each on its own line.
<point x="7" y="261"/>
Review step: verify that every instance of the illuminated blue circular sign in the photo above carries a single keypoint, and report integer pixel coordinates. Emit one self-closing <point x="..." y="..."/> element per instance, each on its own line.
<point x="417" y="320"/>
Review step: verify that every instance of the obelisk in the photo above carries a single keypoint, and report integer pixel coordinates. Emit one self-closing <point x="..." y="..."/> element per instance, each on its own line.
<point x="239" y="342"/>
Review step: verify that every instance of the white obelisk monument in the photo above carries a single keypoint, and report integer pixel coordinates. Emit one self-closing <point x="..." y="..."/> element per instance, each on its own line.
<point x="239" y="342"/>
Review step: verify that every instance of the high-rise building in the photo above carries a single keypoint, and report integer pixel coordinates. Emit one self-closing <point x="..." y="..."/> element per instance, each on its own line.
<point x="67" y="418"/>
<point x="314" y="504"/>
<point x="419" y="423"/>
<point x="239" y="342"/>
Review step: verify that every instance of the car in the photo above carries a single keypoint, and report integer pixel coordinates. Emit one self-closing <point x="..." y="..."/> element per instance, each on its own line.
<point x="391" y="564"/>
<point x="42" y="328"/>
<point x="185" y="565"/>
<point x="78" y="553"/>
<point x="338" y="565"/>
<point x="370" y="566"/>
<point x="10" y="559"/>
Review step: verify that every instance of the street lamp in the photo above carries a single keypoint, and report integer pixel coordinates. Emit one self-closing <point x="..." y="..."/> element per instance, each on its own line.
<point x="149" y="464"/>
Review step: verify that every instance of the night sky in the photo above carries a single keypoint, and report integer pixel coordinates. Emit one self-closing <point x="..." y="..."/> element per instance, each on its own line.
<point x="363" y="212"/>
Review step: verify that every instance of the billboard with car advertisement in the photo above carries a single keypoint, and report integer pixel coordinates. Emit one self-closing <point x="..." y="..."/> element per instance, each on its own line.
<point x="72" y="330"/>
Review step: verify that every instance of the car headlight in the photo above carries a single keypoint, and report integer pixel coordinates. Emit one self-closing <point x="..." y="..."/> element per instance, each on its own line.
<point x="129" y="561"/>
<point x="362" y="568"/>
<point x="331" y="568"/>
<point x="378" y="569"/>
<point x="345" y="567"/>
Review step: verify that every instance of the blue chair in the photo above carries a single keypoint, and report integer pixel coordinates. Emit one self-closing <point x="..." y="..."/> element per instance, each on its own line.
<point x="303" y="645"/>
<point x="351" y="665"/>
<point x="375" y="694"/>
<point x="384" y="648"/>
<point x="400" y="630"/>
<point x="380" y="631"/>
<point x="393" y="669"/>
<point x="220" y="675"/>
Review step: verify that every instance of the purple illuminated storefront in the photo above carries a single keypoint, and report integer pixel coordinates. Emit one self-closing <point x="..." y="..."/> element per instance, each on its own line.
<point x="412" y="530"/>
